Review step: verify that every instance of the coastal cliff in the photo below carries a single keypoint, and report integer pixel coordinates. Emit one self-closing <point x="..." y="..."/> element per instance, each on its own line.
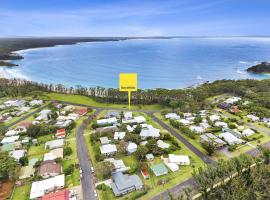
<point x="261" y="68"/>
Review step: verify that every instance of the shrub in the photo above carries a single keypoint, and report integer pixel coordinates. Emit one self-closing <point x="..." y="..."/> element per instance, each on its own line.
<point x="69" y="170"/>
<point x="67" y="151"/>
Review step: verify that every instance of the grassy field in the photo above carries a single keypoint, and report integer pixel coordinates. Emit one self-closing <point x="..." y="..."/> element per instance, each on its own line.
<point x="21" y="192"/>
<point x="89" y="101"/>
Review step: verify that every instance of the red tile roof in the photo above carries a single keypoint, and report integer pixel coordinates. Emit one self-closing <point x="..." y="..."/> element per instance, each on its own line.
<point x="60" y="195"/>
<point x="81" y="111"/>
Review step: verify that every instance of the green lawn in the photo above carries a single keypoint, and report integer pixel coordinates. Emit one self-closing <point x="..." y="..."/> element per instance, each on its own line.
<point x="21" y="192"/>
<point x="89" y="101"/>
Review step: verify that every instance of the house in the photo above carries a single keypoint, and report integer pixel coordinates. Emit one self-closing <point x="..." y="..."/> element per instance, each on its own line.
<point x="145" y="173"/>
<point x="108" y="149"/>
<point x="159" y="169"/>
<point x="253" y="118"/>
<point x="49" y="168"/>
<point x="36" y="102"/>
<point x="214" y="118"/>
<point x="224" y="105"/>
<point x="184" y="121"/>
<point x="232" y="100"/>
<point x="179" y="159"/>
<point x="107" y="129"/>
<point x="172" y="116"/>
<point x="44" y="115"/>
<point x="149" y="157"/>
<point x="104" y="140"/>
<point x="63" y="123"/>
<point x="17" y="154"/>
<point x="197" y="129"/>
<point x="163" y="145"/>
<point x="230" y="138"/>
<point x="14" y="103"/>
<point x="172" y="166"/>
<point x="53" y="144"/>
<point x="131" y="128"/>
<point x="40" y="188"/>
<point x="11" y="139"/>
<point x="26" y="172"/>
<point x="26" y="140"/>
<point x="60" y="133"/>
<point x="234" y="109"/>
<point x="221" y="124"/>
<point x="119" y="165"/>
<point x="128" y="115"/>
<point x="209" y="137"/>
<point x="149" y="132"/>
<point x="16" y="131"/>
<point x="123" y="184"/>
<point x="8" y="147"/>
<point x="111" y="120"/>
<point x="119" y="135"/>
<point x="69" y="108"/>
<point x="187" y="115"/>
<point x="139" y="119"/>
<point x="132" y="147"/>
<point x="247" y="132"/>
<point x="58" y="195"/>
<point x="81" y="111"/>
<point x="53" y="154"/>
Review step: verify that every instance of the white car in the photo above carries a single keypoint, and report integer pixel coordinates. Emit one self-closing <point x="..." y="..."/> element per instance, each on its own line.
<point x="92" y="169"/>
<point x="95" y="193"/>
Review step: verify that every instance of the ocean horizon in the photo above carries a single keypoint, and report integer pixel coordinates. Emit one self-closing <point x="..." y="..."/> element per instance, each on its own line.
<point x="160" y="63"/>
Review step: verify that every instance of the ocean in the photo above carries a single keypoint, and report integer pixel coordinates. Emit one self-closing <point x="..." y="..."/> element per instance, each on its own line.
<point x="160" y="63"/>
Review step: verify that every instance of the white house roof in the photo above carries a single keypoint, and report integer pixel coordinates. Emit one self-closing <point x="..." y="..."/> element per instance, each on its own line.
<point x="184" y="121"/>
<point x="132" y="147"/>
<point x="45" y="112"/>
<point x="104" y="140"/>
<point x="39" y="188"/>
<point x="248" y="132"/>
<point x="139" y="119"/>
<point x="7" y="140"/>
<point x="230" y="138"/>
<point x="179" y="159"/>
<point x="111" y="120"/>
<point x="163" y="145"/>
<point x="232" y="100"/>
<point x="172" y="116"/>
<point x="221" y="124"/>
<point x="54" y="144"/>
<point x="119" y="135"/>
<point x="197" y="129"/>
<point x="253" y="117"/>
<point x="127" y="115"/>
<point x="214" y="118"/>
<point x="119" y="165"/>
<point x="108" y="148"/>
<point x="17" y="154"/>
<point x="149" y="132"/>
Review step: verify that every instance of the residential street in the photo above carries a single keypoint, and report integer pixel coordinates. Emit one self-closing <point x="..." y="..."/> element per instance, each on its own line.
<point x="87" y="180"/>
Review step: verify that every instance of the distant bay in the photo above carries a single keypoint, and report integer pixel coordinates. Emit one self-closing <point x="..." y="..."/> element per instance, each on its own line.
<point x="160" y="63"/>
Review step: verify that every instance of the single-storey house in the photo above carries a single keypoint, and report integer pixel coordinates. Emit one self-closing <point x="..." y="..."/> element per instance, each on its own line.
<point x="60" y="133"/>
<point x="26" y="172"/>
<point x="123" y="184"/>
<point x="17" y="154"/>
<point x="40" y="188"/>
<point x="179" y="159"/>
<point x="230" y="138"/>
<point x="247" y="132"/>
<point x="172" y="116"/>
<point x="145" y="173"/>
<point x="104" y="140"/>
<point x="214" y="118"/>
<point x="128" y="115"/>
<point x="119" y="135"/>
<point x="53" y="144"/>
<point x="149" y="132"/>
<point x="140" y="119"/>
<point x="253" y="118"/>
<point x="11" y="139"/>
<point x="108" y="149"/>
<point x="49" y="168"/>
<point x="159" y="169"/>
<point x="149" y="157"/>
<point x="112" y="114"/>
<point x="36" y="102"/>
<point x="163" y="145"/>
<point x="53" y="154"/>
<point x="184" y="121"/>
<point x="119" y="165"/>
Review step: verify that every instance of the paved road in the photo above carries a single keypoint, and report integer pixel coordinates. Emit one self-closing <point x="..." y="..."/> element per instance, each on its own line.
<point x="26" y="116"/>
<point x="87" y="180"/>
<point x="205" y="158"/>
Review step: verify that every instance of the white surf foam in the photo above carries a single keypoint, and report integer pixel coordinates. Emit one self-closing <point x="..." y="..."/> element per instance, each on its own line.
<point x="12" y="73"/>
<point x="243" y="62"/>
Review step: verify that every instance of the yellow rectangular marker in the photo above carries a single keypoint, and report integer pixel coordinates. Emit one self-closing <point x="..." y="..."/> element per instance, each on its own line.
<point x="128" y="83"/>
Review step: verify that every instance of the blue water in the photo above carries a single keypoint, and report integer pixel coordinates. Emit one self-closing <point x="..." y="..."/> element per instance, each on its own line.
<point x="166" y="63"/>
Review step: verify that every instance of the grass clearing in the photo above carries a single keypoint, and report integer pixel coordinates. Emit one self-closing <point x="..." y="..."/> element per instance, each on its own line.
<point x="21" y="192"/>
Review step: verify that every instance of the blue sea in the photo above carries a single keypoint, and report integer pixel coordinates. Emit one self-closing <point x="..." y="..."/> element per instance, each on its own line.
<point x="160" y="63"/>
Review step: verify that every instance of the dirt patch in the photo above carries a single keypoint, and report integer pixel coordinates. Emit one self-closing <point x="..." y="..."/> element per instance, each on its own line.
<point x="6" y="189"/>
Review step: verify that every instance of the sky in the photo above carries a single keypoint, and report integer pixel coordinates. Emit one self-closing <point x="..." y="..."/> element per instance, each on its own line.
<point x="134" y="18"/>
